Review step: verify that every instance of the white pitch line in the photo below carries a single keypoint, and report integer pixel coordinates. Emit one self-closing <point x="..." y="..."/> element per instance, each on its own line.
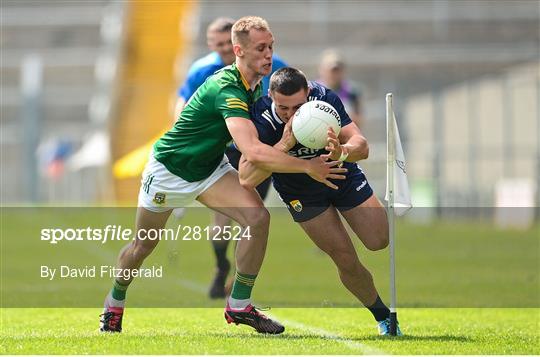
<point x="200" y="288"/>
<point x="193" y="286"/>
<point x="355" y="345"/>
<point x="366" y="350"/>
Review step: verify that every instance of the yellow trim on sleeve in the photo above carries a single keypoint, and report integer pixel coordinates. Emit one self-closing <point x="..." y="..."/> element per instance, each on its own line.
<point x="236" y="101"/>
<point x="231" y="106"/>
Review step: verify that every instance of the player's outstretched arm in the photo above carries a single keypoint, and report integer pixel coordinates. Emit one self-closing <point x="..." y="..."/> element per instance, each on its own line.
<point x="271" y="159"/>
<point x="250" y="175"/>
<point x="355" y="145"/>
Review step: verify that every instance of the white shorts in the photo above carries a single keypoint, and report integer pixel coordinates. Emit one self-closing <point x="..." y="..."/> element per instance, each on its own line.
<point x="162" y="190"/>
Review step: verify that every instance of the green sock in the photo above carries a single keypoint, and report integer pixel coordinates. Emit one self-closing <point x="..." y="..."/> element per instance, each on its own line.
<point x="118" y="291"/>
<point x="243" y="284"/>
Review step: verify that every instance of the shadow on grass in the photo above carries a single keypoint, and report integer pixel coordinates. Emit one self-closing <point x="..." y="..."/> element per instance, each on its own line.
<point x="258" y="336"/>
<point x="305" y="336"/>
<point x="435" y="338"/>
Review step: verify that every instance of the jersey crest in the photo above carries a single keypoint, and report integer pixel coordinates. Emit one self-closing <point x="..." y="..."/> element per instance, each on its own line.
<point x="297" y="205"/>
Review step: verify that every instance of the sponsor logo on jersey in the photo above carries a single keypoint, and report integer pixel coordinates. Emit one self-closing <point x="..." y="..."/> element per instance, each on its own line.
<point x="235" y="103"/>
<point x="159" y="198"/>
<point x="304" y="153"/>
<point x="362" y="185"/>
<point x="296" y="205"/>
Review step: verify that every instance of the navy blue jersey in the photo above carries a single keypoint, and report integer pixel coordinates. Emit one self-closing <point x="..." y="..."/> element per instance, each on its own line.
<point x="270" y="129"/>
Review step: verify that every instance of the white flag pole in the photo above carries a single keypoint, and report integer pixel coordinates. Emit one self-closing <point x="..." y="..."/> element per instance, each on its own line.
<point x="391" y="158"/>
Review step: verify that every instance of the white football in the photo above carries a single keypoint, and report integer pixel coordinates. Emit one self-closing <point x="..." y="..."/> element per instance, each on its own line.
<point x="311" y="122"/>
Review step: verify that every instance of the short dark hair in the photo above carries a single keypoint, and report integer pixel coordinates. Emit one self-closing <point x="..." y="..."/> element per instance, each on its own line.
<point x="221" y="24"/>
<point x="288" y="81"/>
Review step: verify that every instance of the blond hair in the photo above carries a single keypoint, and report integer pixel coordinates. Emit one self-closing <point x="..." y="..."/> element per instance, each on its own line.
<point x="241" y="28"/>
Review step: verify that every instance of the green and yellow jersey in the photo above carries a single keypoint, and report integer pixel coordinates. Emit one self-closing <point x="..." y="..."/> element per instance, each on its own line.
<point x="194" y="147"/>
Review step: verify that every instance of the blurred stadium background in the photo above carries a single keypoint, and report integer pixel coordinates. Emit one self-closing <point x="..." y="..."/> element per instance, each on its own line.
<point x="85" y="83"/>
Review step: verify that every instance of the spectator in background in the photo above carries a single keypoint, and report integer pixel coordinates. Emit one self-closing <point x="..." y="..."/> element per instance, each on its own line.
<point x="332" y="75"/>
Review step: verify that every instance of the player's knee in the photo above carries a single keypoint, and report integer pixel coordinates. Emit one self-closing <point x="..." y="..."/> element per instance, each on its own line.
<point x="378" y="243"/>
<point x="263" y="218"/>
<point x="257" y="217"/>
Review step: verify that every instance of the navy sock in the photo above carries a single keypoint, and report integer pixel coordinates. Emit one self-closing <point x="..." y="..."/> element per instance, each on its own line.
<point x="220" y="250"/>
<point x="379" y="310"/>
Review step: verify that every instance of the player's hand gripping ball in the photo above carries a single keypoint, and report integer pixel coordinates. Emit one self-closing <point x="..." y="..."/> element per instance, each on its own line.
<point x="311" y="122"/>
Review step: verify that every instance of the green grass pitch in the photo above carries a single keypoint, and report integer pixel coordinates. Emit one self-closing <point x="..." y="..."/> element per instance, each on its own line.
<point x="463" y="288"/>
<point x="309" y="331"/>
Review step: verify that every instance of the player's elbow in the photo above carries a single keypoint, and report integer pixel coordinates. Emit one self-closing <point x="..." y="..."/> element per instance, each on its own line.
<point x="364" y="150"/>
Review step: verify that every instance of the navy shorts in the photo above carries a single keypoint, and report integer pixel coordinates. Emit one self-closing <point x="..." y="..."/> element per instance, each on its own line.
<point x="352" y="192"/>
<point x="234" y="159"/>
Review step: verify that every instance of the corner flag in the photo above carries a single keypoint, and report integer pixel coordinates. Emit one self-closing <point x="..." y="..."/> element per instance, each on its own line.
<point x="397" y="196"/>
<point x="397" y="186"/>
